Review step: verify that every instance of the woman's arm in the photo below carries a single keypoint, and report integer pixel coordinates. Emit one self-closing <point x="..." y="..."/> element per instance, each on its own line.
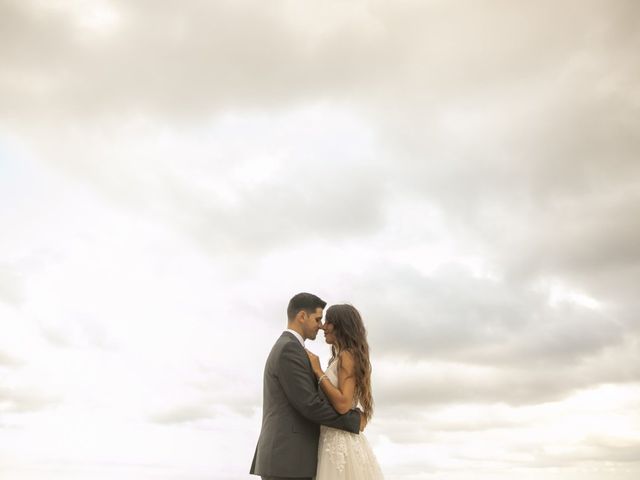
<point x="292" y="372"/>
<point x="340" y="397"/>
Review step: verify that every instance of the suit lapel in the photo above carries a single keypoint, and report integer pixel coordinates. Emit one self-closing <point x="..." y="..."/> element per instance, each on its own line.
<point x="292" y="338"/>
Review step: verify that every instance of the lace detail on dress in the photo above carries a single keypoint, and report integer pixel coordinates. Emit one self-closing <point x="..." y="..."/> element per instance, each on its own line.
<point x="335" y="446"/>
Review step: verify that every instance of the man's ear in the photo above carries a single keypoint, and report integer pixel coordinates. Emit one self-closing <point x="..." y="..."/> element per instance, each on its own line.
<point x="301" y="316"/>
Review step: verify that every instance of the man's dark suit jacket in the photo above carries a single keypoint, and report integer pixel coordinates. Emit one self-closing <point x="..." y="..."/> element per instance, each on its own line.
<point x="292" y="410"/>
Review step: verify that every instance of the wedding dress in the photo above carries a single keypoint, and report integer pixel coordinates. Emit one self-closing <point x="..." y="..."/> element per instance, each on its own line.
<point x="344" y="455"/>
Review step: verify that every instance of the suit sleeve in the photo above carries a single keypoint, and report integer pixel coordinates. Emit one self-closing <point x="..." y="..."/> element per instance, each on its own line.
<point x="302" y="392"/>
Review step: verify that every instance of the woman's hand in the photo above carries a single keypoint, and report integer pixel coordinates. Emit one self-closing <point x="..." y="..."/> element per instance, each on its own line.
<point x="315" y="364"/>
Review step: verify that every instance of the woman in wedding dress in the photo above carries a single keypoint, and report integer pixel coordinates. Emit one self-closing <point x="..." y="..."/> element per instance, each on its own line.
<point x="347" y="384"/>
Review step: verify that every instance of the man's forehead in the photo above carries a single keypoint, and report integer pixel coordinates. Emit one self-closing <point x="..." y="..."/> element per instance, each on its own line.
<point x="318" y="312"/>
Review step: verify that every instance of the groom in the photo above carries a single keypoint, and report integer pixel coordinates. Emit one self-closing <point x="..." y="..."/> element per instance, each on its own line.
<point x="292" y="408"/>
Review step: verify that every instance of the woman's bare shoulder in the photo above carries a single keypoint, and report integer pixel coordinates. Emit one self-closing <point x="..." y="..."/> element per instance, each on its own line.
<point x="346" y="360"/>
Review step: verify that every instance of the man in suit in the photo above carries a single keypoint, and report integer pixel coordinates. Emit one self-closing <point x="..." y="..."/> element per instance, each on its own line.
<point x="292" y="407"/>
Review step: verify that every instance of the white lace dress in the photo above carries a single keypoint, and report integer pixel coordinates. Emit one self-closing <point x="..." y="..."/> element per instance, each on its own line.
<point x="344" y="455"/>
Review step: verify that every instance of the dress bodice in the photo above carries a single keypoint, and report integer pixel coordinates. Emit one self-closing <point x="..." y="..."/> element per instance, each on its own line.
<point x="332" y="372"/>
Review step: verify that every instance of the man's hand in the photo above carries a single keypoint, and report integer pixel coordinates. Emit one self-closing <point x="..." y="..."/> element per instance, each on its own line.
<point x="315" y="364"/>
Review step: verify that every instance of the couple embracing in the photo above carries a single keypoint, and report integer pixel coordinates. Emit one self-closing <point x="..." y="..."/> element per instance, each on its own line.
<point x="312" y="420"/>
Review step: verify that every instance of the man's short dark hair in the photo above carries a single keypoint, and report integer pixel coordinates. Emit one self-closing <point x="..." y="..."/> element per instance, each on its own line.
<point x="304" y="301"/>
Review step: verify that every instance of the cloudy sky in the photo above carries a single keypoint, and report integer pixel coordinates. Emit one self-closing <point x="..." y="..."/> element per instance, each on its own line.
<point x="464" y="172"/>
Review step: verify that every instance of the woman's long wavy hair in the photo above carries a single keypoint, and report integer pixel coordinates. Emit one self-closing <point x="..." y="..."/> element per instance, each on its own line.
<point x="351" y="335"/>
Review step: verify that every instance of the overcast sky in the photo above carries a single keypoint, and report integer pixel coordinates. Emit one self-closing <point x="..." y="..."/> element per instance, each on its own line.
<point x="464" y="172"/>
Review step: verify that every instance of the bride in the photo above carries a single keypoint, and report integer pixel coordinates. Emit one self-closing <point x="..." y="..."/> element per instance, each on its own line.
<point x="346" y="383"/>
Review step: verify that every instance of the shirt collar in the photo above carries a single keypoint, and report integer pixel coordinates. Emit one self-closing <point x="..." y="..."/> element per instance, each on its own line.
<point x="297" y="335"/>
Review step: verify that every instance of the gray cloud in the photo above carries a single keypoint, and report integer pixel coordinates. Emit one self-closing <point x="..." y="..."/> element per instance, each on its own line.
<point x="539" y="169"/>
<point x="486" y="341"/>
<point x="513" y="386"/>
<point x="80" y="330"/>
<point x="22" y="400"/>
<point x="601" y="448"/>
<point x="515" y="126"/>
<point x="454" y="315"/>
<point x="592" y="450"/>
<point x="193" y="60"/>
<point x="230" y="389"/>
<point x="10" y="286"/>
<point x="279" y="214"/>
<point x="220" y="198"/>
<point x="592" y="242"/>
<point x="205" y="56"/>
<point x="7" y="360"/>
<point x="183" y="414"/>
<point x="57" y="337"/>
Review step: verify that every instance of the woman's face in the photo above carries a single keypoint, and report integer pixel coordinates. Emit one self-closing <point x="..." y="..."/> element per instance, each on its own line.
<point x="329" y="337"/>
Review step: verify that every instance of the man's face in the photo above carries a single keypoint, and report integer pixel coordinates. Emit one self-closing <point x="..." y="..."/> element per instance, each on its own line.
<point x="312" y="322"/>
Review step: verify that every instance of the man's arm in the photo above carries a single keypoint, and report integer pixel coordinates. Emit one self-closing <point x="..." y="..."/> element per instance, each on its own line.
<point x="297" y="382"/>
